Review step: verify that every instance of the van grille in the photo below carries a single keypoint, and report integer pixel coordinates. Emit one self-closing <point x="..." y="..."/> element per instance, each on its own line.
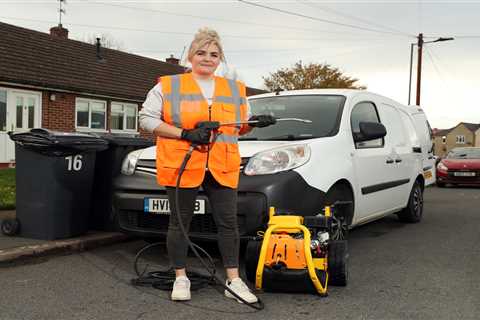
<point x="201" y="223"/>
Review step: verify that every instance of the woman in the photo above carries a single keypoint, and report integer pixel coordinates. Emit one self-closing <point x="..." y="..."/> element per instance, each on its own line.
<point x="172" y="111"/>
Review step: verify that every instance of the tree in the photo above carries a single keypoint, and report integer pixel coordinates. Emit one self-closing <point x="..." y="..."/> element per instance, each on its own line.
<point x="311" y="76"/>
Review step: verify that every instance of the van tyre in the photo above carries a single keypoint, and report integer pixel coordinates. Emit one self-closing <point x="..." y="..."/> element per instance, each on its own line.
<point x="340" y="193"/>
<point x="414" y="211"/>
<point x="10" y="227"/>
<point x="338" y="263"/>
<point x="440" y="184"/>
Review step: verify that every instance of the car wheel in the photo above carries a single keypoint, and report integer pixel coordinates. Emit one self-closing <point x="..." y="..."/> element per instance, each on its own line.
<point x="440" y="184"/>
<point x="338" y="263"/>
<point x="341" y="197"/>
<point x="414" y="210"/>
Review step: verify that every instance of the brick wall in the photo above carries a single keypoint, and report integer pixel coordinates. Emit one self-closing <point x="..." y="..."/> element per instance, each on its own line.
<point x="59" y="114"/>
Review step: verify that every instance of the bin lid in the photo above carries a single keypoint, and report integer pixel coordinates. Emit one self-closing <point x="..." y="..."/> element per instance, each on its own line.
<point x="57" y="142"/>
<point x="124" y="140"/>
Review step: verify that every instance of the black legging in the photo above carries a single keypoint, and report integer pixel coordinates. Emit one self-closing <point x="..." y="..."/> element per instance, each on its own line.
<point x="223" y="201"/>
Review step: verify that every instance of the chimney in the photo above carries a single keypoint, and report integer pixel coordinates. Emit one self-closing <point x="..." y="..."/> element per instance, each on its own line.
<point x="59" y="32"/>
<point x="172" y="60"/>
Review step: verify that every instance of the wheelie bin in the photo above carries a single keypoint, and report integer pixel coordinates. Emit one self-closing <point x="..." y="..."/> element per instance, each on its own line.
<point x="54" y="179"/>
<point x="107" y="166"/>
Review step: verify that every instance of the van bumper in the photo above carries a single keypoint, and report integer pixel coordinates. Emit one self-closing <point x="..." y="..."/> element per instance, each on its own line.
<point x="286" y="191"/>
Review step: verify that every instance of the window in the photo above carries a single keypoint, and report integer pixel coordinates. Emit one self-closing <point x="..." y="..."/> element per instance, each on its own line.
<point x="365" y="112"/>
<point x="444" y="139"/>
<point x="460" y="140"/>
<point x="3" y="110"/>
<point x="324" y="112"/>
<point x="123" y="117"/>
<point x="90" y="114"/>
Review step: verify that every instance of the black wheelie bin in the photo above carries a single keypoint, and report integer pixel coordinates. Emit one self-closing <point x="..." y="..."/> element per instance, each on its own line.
<point x="54" y="178"/>
<point x="107" y="166"/>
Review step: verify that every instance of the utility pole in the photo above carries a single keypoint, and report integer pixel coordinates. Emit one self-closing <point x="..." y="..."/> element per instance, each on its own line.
<point x="419" y="67"/>
<point x="420" y="43"/>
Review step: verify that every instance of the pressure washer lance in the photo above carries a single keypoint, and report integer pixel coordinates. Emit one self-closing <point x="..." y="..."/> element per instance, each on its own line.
<point x="214" y="125"/>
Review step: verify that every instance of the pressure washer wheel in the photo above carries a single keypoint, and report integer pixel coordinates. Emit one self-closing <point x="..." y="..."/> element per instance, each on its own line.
<point x="338" y="263"/>
<point x="10" y="227"/>
<point x="252" y="254"/>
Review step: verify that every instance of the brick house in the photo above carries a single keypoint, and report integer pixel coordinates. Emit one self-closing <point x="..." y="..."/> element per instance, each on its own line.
<point x="50" y="81"/>
<point x="462" y="135"/>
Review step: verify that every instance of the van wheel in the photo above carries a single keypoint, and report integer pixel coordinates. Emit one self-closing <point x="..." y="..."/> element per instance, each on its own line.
<point x="414" y="210"/>
<point x="342" y="195"/>
<point x="440" y="184"/>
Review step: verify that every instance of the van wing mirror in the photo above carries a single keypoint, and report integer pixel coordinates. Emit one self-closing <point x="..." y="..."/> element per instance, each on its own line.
<point x="369" y="131"/>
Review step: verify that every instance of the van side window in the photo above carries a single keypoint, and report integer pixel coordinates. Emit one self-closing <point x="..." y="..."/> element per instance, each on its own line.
<point x="365" y="112"/>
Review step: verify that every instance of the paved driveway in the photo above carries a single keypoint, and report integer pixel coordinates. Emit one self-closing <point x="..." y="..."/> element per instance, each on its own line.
<point x="398" y="271"/>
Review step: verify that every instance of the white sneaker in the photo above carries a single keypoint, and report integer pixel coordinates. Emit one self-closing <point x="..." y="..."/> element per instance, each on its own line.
<point x="181" y="289"/>
<point x="241" y="289"/>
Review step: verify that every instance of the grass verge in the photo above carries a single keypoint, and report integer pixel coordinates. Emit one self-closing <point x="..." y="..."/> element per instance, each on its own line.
<point x="7" y="189"/>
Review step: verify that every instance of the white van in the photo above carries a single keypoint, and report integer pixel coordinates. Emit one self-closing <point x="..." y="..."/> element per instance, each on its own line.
<point x="363" y="152"/>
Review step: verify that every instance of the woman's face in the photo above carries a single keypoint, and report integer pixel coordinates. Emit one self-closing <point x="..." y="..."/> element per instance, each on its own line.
<point x="205" y="60"/>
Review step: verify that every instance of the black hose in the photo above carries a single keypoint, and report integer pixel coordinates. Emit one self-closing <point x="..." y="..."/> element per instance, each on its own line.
<point x="164" y="279"/>
<point x="256" y="305"/>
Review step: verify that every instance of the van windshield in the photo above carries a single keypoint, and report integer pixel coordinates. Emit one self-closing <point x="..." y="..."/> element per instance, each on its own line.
<point x="324" y="111"/>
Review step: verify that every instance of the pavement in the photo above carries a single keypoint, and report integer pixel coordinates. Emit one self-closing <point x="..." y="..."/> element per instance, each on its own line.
<point x="17" y="248"/>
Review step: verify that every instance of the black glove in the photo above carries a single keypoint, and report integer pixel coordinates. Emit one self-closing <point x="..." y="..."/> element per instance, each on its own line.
<point x="264" y="120"/>
<point x="197" y="135"/>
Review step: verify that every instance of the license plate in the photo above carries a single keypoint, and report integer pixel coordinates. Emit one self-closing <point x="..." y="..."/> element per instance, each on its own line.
<point x="162" y="206"/>
<point x="427" y="174"/>
<point x="464" y="174"/>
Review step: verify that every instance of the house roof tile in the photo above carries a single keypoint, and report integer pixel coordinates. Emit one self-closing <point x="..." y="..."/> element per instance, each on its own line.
<point x="35" y="58"/>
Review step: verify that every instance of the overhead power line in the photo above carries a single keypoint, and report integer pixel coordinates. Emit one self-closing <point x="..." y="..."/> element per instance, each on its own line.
<point x="188" y="34"/>
<point x="243" y="22"/>
<point x="336" y="12"/>
<point x="322" y="20"/>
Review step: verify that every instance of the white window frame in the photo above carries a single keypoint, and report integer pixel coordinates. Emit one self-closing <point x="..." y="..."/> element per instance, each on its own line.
<point x="460" y="139"/>
<point x="89" y="129"/>
<point x="124" y="104"/>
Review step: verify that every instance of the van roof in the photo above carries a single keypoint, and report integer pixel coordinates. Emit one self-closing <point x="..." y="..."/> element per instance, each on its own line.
<point x="344" y="92"/>
<point x="348" y="93"/>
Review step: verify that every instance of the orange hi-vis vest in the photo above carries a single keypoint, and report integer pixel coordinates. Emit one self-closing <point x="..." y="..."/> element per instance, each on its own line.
<point x="183" y="107"/>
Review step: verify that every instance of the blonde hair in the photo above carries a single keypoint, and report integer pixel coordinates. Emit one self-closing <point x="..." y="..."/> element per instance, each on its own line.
<point x="205" y="36"/>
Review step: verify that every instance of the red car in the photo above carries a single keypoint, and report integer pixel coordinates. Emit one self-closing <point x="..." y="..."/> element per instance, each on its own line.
<point x="460" y="166"/>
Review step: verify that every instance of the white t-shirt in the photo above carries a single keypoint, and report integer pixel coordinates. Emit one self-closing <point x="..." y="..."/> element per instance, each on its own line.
<point x="151" y="114"/>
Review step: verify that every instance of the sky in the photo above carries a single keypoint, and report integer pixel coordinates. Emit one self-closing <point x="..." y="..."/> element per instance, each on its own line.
<point x="367" y="40"/>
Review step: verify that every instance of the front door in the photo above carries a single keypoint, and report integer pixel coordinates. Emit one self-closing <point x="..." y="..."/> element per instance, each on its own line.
<point x="19" y="111"/>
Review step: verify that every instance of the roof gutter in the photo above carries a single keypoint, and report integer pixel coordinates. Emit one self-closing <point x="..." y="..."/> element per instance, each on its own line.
<point x="13" y="84"/>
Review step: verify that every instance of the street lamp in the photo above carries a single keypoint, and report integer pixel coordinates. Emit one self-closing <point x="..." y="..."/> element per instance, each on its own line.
<point x="420" y="44"/>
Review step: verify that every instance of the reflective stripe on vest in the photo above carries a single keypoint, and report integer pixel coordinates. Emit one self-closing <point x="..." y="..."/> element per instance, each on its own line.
<point x="184" y="107"/>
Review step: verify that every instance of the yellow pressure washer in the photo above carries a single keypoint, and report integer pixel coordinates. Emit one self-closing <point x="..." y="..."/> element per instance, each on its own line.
<point x="296" y="254"/>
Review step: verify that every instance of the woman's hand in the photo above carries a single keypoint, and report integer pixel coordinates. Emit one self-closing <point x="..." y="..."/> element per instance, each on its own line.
<point x="198" y="135"/>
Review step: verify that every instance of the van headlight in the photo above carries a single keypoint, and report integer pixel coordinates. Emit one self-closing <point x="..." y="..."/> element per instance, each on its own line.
<point x="130" y="162"/>
<point x="278" y="159"/>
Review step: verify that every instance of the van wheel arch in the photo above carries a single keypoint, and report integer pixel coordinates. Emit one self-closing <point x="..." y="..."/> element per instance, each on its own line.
<point x="342" y="191"/>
